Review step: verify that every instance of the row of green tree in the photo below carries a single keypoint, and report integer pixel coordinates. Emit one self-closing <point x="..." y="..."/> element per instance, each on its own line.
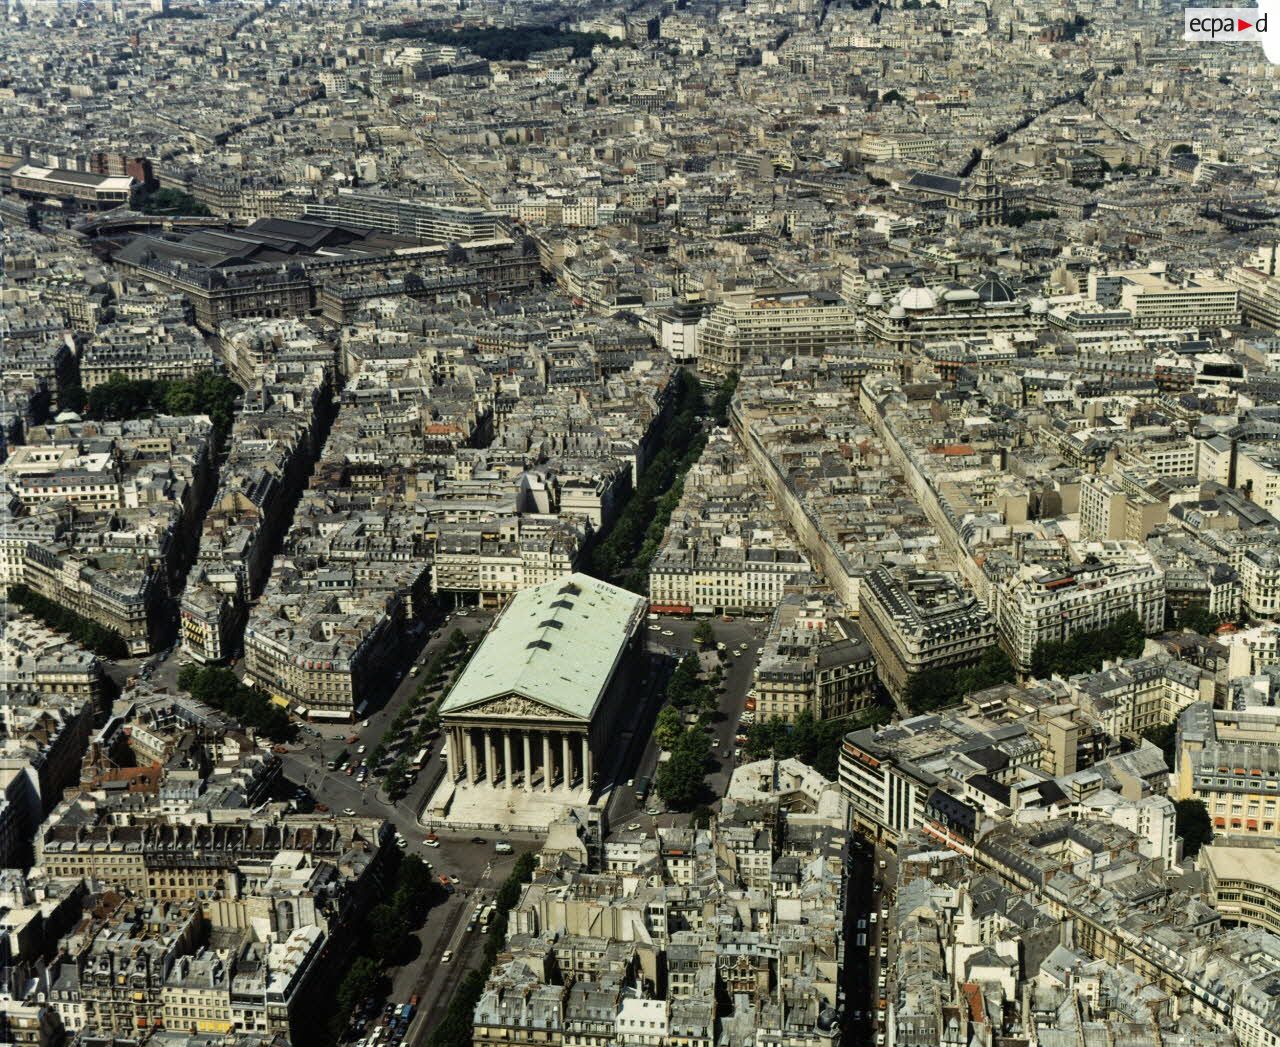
<point x="386" y="936"/>
<point x="938" y="688"/>
<point x="435" y="675"/>
<point x="514" y="44"/>
<point x="624" y="554"/>
<point x="724" y="396"/>
<point x="222" y="689"/>
<point x="811" y="741"/>
<point x="120" y="398"/>
<point x="1086" y="651"/>
<point x="97" y="638"/>
<point x="1020" y="216"/>
<point x="457" y="1027"/>
<point x="681" y="777"/>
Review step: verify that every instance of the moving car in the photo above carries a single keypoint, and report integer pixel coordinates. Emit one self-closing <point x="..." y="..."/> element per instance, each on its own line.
<point x="346" y="810"/>
<point x="430" y="843"/>
<point x="446" y="956"/>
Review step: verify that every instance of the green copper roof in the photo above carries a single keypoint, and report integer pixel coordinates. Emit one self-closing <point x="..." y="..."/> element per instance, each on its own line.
<point x="556" y="643"/>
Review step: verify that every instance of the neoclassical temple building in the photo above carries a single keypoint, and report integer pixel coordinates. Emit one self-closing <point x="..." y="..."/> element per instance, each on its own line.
<point x="537" y="705"/>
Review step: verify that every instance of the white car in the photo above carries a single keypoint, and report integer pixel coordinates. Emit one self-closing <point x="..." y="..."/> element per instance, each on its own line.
<point x="634" y="827"/>
<point x="431" y="843"/>
<point x="759" y="650"/>
<point x="348" y="812"/>
<point x="667" y="632"/>
<point x="446" y="956"/>
<point x="364" y="723"/>
<point x="361" y="750"/>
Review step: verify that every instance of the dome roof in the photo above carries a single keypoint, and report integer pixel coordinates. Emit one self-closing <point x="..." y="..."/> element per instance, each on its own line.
<point x="993" y="289"/>
<point x="897" y="312"/>
<point x="875" y="299"/>
<point x="960" y="294"/>
<point x="917" y="299"/>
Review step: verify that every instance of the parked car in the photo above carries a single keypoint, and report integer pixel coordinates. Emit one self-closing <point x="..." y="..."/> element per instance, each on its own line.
<point x="346" y="810"/>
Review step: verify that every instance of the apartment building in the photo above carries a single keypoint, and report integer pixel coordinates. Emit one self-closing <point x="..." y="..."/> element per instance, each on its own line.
<point x="1036" y="605"/>
<point x="1152" y="299"/>
<point x="917" y="622"/>
<point x="814" y="661"/>
<point x="772" y="325"/>
<point x="1230" y="760"/>
<point x="425" y="220"/>
<point x="1111" y="509"/>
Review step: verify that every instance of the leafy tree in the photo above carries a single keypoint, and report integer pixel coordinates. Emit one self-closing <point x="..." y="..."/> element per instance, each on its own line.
<point x="97" y="638"/>
<point x="680" y="781"/>
<point x="120" y="398"/>
<point x="72" y="398"/>
<point x="1199" y="619"/>
<point x="941" y="687"/>
<point x="890" y="97"/>
<point x="668" y="726"/>
<point x="815" y="742"/>
<point x="683" y="687"/>
<point x="172" y="202"/>
<point x="723" y="398"/>
<point x="704" y="634"/>
<point x="387" y="929"/>
<point x="1193" y="825"/>
<point x="1086" y="651"/>
<point x="623" y="553"/>
<point x="251" y="707"/>
<point x="359" y="983"/>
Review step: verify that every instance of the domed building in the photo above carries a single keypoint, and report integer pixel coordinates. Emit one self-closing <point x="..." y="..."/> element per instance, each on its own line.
<point x="994" y="291"/>
<point x="945" y="312"/>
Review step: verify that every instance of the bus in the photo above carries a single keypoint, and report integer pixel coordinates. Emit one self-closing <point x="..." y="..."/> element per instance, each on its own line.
<point x="486" y="917"/>
<point x="642" y="788"/>
<point x="420" y="760"/>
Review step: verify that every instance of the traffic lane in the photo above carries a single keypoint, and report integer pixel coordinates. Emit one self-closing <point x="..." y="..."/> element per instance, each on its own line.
<point x="858" y="982"/>
<point x="437" y="981"/>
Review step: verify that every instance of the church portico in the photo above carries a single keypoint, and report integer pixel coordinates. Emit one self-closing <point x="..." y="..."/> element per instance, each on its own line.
<point x="530" y="718"/>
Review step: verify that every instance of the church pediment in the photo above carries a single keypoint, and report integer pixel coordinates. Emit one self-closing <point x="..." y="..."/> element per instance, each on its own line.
<point x="515" y="706"/>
